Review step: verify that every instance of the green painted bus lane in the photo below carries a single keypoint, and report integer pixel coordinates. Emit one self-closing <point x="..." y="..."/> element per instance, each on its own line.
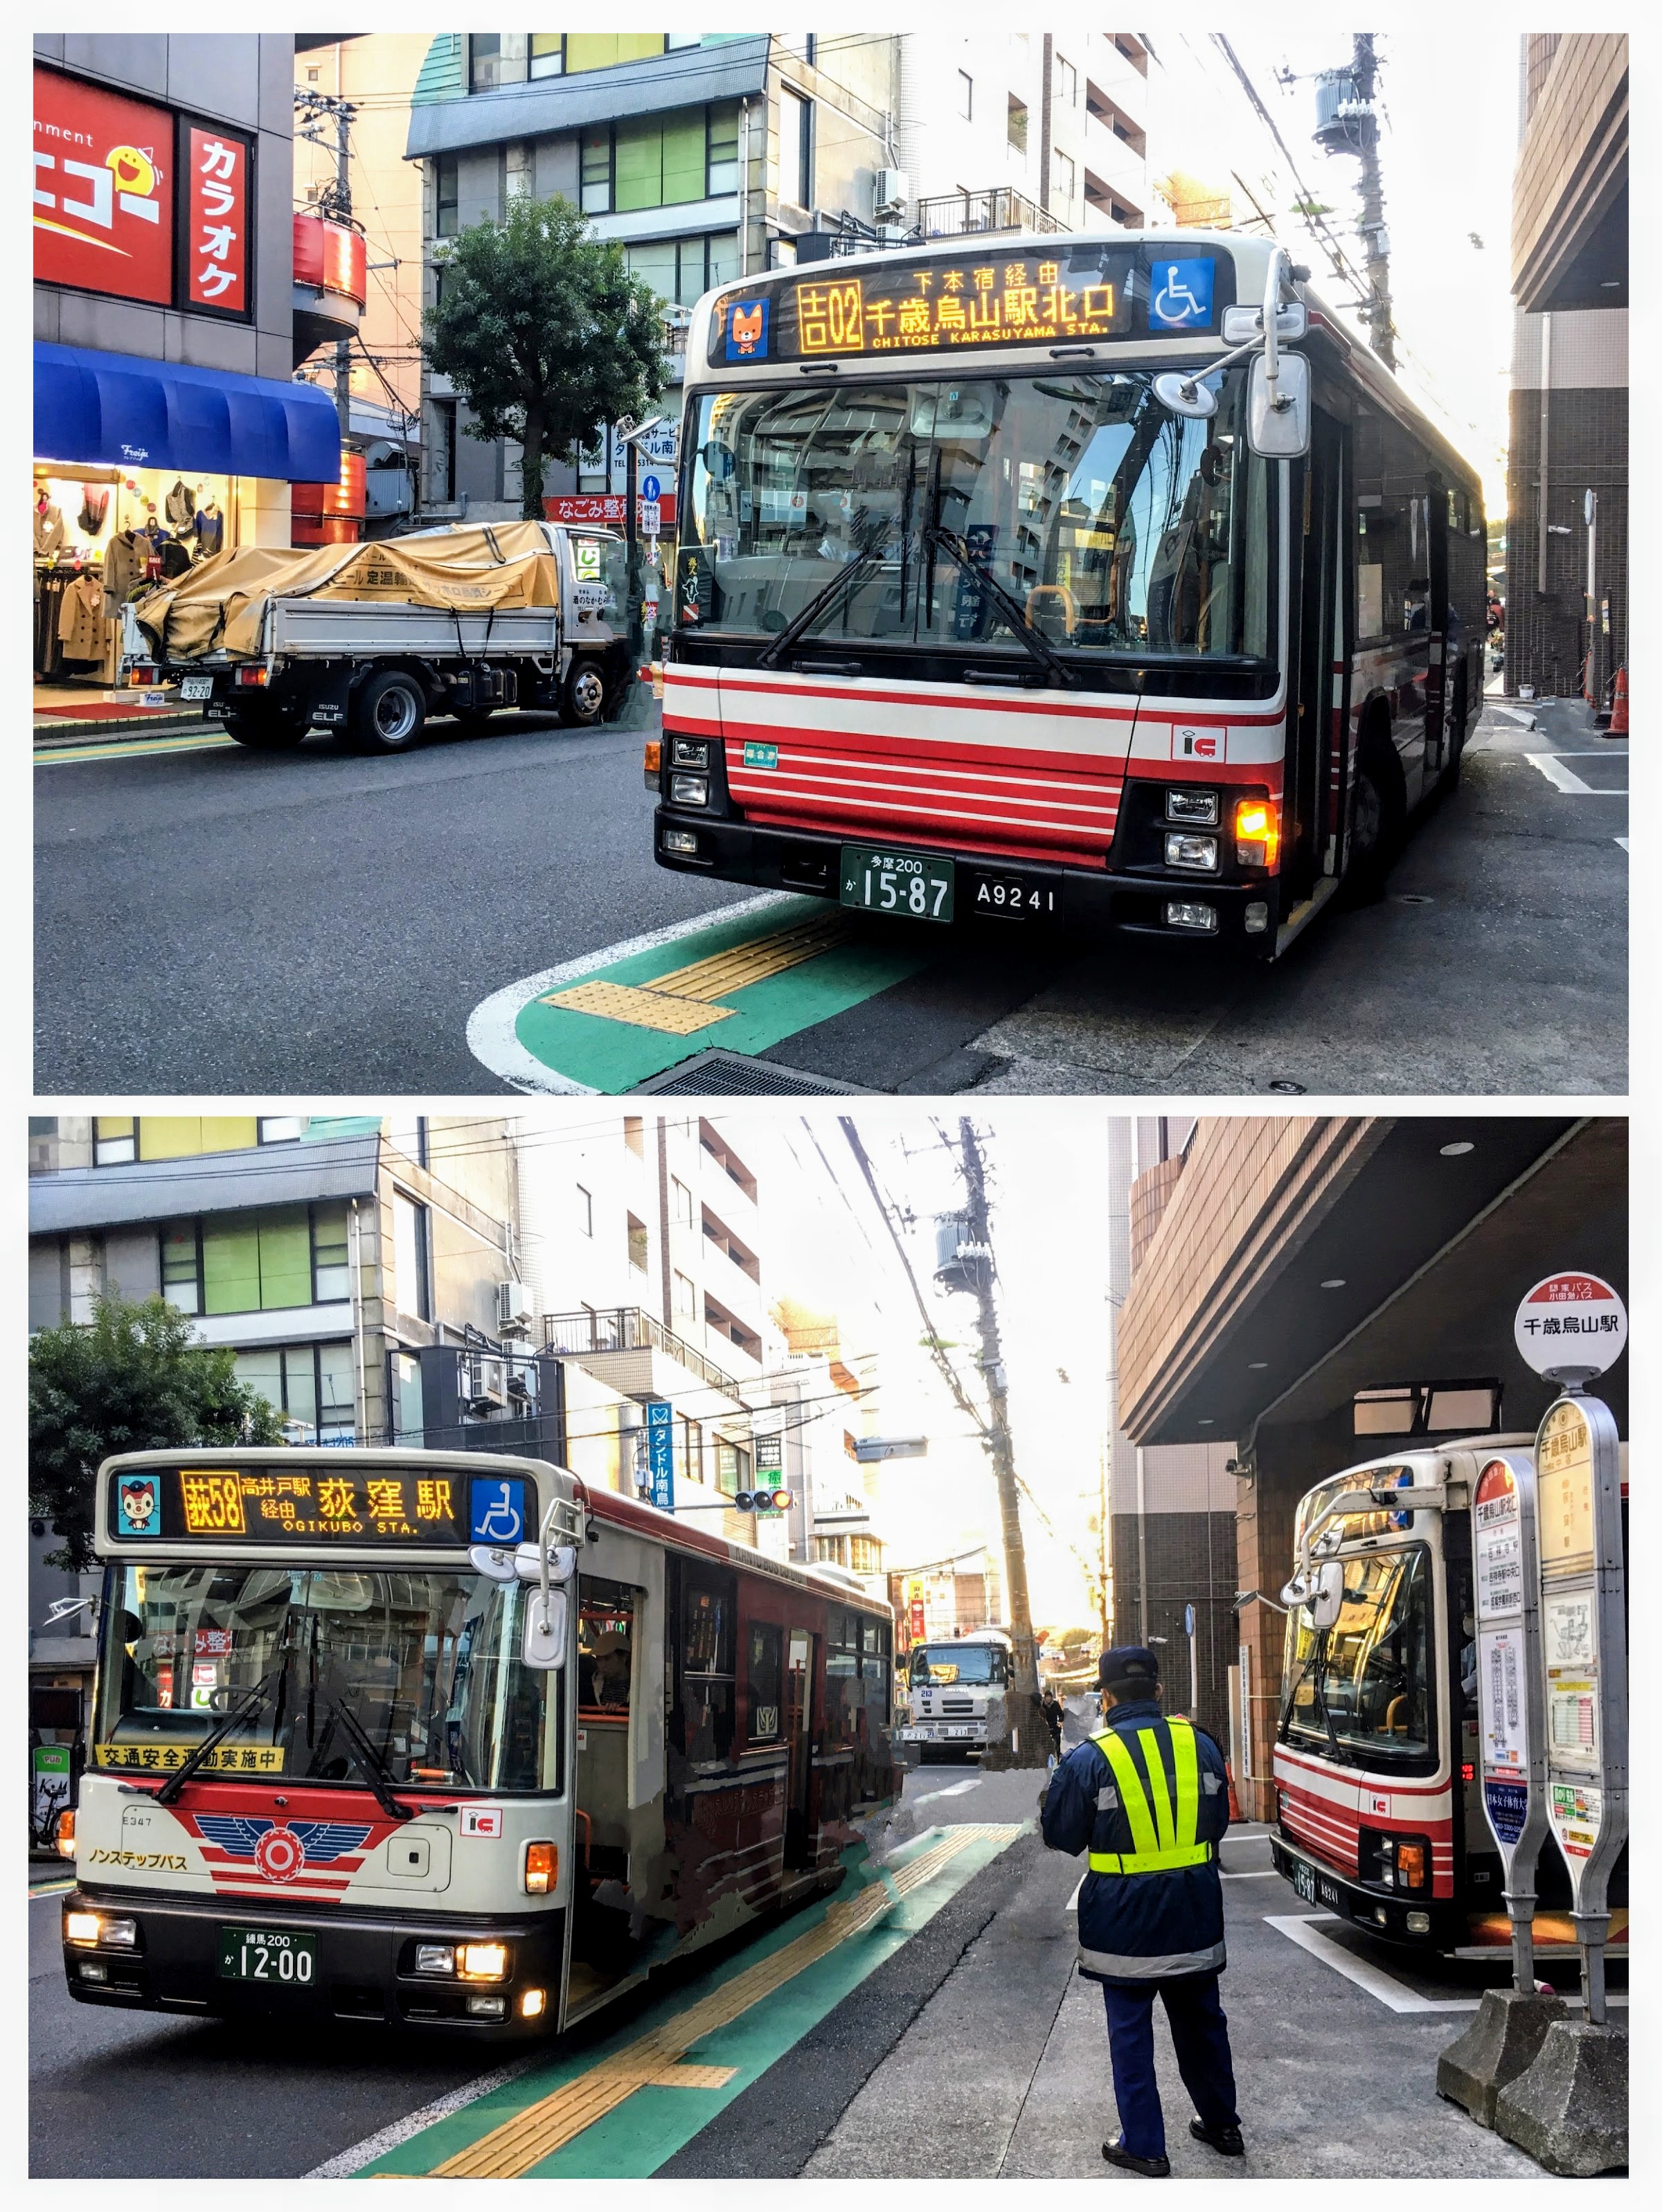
<point x="599" y="1053"/>
<point x="632" y="2139"/>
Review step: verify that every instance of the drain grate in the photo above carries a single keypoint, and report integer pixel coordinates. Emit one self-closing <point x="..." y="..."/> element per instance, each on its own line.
<point x="731" y="1075"/>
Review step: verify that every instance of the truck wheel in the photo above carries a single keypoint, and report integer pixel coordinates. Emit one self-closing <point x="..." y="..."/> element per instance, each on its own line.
<point x="387" y="713"/>
<point x="268" y="728"/>
<point x="584" y="695"/>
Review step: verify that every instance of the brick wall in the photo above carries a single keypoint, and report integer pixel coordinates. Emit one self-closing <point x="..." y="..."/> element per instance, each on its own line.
<point x="1190" y="1560"/>
<point x="1586" y="449"/>
<point x="1574" y="140"/>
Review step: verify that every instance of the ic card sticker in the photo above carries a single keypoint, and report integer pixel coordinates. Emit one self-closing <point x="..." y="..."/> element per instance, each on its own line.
<point x="482" y="1821"/>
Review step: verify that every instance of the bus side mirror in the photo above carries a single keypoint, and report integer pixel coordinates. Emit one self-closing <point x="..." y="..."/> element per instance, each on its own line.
<point x="1278" y="414"/>
<point x="1326" y="1594"/>
<point x="1181" y="394"/>
<point x="545" y="1633"/>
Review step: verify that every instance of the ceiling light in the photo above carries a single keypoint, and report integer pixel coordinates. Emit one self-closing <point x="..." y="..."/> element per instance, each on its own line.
<point x="1206" y="1421"/>
<point x="1334" y="1283"/>
<point x="1454" y="1151"/>
<point x="1254" y="1364"/>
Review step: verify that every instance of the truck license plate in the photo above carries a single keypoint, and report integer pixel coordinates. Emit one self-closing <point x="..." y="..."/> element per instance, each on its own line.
<point x="910" y="884"/>
<point x="1014" y="898"/>
<point x="1304" y="1881"/>
<point x="960" y="1731"/>
<point x="196" y="687"/>
<point x="285" y="1956"/>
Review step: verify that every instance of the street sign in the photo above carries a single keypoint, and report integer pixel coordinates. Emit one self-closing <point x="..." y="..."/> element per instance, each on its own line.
<point x="1510" y="1734"/>
<point x="1570" y="1328"/>
<point x="769" y="1454"/>
<point x="651" y="518"/>
<point x="649" y="490"/>
<point x="1189" y="1620"/>
<point x="660" y="1453"/>
<point x="52" y="1781"/>
<point x="1584" y="1660"/>
<point x="868" y="1449"/>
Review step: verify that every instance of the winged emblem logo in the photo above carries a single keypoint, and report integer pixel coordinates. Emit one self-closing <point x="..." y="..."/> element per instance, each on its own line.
<point x="279" y="1850"/>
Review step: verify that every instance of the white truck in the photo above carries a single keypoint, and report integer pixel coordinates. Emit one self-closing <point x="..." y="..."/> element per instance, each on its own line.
<point x="955" y="1689"/>
<point x="375" y="668"/>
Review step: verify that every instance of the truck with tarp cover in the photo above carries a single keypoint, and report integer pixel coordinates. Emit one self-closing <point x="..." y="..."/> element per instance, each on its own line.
<point x="370" y="639"/>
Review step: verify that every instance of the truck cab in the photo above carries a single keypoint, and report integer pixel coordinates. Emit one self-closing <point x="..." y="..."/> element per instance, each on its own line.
<point x="955" y="1689"/>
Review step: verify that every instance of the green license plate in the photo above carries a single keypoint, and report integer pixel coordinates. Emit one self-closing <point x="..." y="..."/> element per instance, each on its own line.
<point x="886" y="881"/>
<point x="284" y="1958"/>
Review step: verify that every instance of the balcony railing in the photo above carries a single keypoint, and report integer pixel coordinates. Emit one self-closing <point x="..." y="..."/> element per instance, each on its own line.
<point x="956" y="214"/>
<point x="630" y="1328"/>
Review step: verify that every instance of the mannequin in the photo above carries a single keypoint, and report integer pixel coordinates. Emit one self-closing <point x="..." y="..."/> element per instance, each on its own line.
<point x="209" y="527"/>
<point x="49" y="530"/>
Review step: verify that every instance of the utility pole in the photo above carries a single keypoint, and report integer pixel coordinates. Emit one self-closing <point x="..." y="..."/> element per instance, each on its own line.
<point x="1376" y="242"/>
<point x="334" y="204"/>
<point x="1029" y="1738"/>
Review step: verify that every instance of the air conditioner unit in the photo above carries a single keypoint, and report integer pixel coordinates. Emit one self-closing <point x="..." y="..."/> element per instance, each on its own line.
<point x="485" y="1385"/>
<point x="891" y="188"/>
<point x="512" y="1309"/>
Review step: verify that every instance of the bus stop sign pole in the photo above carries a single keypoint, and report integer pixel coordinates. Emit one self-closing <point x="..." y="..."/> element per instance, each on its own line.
<point x="1511" y="1741"/>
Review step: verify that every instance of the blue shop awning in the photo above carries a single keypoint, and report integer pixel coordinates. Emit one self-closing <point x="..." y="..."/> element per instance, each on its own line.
<point x="164" y="415"/>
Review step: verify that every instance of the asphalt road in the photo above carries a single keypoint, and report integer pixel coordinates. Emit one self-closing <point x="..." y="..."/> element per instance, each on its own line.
<point x="215" y="920"/>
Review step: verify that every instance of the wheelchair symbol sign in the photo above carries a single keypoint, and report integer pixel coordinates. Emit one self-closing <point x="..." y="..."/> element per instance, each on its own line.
<point x="496" y="1511"/>
<point x="1181" y="295"/>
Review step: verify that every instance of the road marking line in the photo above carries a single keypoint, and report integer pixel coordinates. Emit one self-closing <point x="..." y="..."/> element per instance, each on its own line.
<point x="1552" y="766"/>
<point x="1623" y="843"/>
<point x="957" y="1790"/>
<point x="353" y="2159"/>
<point x="51" y="1888"/>
<point x="142" y="748"/>
<point x="513" y="2148"/>
<point x="1374" y="1979"/>
<point x="491" y="1036"/>
<point x="1258" y="1873"/>
<point x="685" y="1000"/>
<point x="1073" y="1899"/>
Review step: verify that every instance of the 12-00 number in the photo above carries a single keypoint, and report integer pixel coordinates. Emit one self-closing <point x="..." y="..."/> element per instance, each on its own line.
<point x="902" y="887"/>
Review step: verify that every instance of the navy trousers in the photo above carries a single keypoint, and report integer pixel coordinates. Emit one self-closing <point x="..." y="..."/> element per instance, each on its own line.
<point x="1200" y="2034"/>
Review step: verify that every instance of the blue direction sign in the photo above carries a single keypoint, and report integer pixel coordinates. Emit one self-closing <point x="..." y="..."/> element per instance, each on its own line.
<point x="649" y="487"/>
<point x="660" y="1453"/>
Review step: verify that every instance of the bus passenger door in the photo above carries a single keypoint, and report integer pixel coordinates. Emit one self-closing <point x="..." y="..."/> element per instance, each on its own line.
<point x="1437" y="623"/>
<point x="1318" y="714"/>
<point x="799" y="1842"/>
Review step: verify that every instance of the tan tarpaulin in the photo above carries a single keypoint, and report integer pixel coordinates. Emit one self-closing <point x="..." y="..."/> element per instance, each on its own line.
<point x="222" y="603"/>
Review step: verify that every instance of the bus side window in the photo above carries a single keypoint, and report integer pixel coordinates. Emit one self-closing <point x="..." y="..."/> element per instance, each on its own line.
<point x="705" y="1716"/>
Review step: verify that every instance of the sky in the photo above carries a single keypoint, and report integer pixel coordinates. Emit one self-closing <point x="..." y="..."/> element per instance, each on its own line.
<point x="1047" y="1180"/>
<point x="1449" y="129"/>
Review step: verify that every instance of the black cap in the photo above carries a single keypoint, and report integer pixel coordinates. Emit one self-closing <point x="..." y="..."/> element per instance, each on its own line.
<point x="1127" y="1665"/>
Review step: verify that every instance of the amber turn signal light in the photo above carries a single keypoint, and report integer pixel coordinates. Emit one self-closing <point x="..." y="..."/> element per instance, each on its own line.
<point x="542" y="1867"/>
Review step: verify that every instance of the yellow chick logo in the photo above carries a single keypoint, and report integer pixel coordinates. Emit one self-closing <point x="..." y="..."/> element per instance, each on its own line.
<point x="135" y="171"/>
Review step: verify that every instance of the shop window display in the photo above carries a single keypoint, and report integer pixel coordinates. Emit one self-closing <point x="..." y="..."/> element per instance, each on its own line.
<point x="102" y="536"/>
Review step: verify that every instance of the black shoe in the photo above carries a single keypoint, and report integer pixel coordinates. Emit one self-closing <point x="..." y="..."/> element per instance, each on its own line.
<point x="1156" y="2168"/>
<point x="1226" y="2140"/>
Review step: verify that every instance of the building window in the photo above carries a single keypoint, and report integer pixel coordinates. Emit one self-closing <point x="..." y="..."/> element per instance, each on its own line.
<point x="115" y="1141"/>
<point x="638" y="1244"/>
<point x="732" y="1467"/>
<point x="256" y="1262"/>
<point x="448" y="212"/>
<point x="1061" y="185"/>
<point x="682" y="269"/>
<point x="1067" y="83"/>
<point x="831" y="1551"/>
<point x="721" y="152"/>
<point x="762" y="1646"/>
<point x="634" y="1135"/>
<point x="547" y="53"/>
<point x="495" y="57"/>
<point x="412" y="1292"/>
<point x="966" y="96"/>
<point x="181" y="1266"/>
<point x="441" y="455"/>
<point x="680" y="1202"/>
<point x="795" y="148"/>
<point x="1016" y="129"/>
<point x="596" y="50"/>
<point x="687" y="1450"/>
<point x="687" y="1299"/>
<point x="585" y="1212"/>
<point x="314" y="1384"/>
<point x="281" y="1128"/>
<point x="864" y="1555"/>
<point x="595" y="190"/>
<point x="408" y="1131"/>
<point x="332" y="1274"/>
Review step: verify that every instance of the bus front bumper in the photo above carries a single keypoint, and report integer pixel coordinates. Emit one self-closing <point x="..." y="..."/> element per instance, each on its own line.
<point x="1429" y="1924"/>
<point x="364" y="1964"/>
<point x="1242" y="915"/>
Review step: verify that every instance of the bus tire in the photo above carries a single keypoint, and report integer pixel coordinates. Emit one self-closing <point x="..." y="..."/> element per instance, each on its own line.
<point x="387" y="712"/>
<point x="267" y="728"/>
<point x="1376" y="819"/>
<point x="583" y="694"/>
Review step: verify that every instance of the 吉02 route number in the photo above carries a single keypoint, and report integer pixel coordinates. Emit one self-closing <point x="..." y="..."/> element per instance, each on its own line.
<point x="909" y="883"/>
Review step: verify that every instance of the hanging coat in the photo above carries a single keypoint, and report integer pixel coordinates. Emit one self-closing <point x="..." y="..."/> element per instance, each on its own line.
<point x="181" y="504"/>
<point x="48" y="531"/>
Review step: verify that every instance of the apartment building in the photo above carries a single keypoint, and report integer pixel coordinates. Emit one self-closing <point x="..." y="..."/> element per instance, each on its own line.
<point x="1017" y="130"/>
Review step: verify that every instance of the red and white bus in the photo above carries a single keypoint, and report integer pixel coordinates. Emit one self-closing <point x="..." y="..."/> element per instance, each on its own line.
<point x="445" y="1739"/>
<point x="992" y="596"/>
<point x="1380" y="1803"/>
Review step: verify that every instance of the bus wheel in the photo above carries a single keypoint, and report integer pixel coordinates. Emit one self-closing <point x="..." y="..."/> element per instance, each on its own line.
<point x="387" y="713"/>
<point x="267" y="728"/>
<point x="1375" y="826"/>
<point x="584" y="693"/>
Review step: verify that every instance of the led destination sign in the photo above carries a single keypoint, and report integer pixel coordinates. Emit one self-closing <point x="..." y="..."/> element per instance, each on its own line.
<point x="268" y="1504"/>
<point x="1070" y="295"/>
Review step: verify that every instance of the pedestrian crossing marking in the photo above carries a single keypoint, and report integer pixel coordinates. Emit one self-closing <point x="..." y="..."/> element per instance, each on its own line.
<point x="684" y="1000"/>
<point x="512" y="2149"/>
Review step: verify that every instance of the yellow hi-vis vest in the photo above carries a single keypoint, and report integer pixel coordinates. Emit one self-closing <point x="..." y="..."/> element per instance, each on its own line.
<point x="1160" y="1839"/>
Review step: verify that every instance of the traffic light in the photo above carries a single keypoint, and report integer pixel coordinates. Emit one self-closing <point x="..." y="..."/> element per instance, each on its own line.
<point x="762" y="1501"/>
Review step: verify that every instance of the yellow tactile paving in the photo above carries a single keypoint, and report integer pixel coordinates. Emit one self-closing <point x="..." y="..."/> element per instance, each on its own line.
<point x="684" y="1000"/>
<point x="540" y="2129"/>
<point x="685" y="2076"/>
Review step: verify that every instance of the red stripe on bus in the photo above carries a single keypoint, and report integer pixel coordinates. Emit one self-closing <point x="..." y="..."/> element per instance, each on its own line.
<point x="922" y="695"/>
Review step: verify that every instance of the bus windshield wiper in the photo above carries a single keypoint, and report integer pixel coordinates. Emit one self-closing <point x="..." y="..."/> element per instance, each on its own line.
<point x="1015" y="614"/>
<point x="245" y="1711"/>
<point x="821" y="603"/>
<point x="369" y="1762"/>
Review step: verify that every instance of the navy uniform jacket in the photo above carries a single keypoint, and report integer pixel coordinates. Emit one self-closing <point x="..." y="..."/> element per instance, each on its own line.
<point x="1140" y="1927"/>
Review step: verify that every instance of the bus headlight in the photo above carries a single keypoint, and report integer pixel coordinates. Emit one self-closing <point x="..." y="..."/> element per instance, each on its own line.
<point x="1418" y="1923"/>
<point x="435" y="1957"/>
<point x="482" y="1962"/>
<point x="1190" y="914"/>
<point x="1257" y="833"/>
<point x="689" y="790"/>
<point x="1193" y="806"/>
<point x="1185" y="849"/>
<point x="81" y="1928"/>
<point x="115" y="1931"/>
<point x="689" y="752"/>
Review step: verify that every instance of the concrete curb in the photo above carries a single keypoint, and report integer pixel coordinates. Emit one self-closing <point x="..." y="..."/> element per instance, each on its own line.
<point x="47" y="735"/>
<point x="1569" y="2111"/>
<point x="1500" y="2044"/>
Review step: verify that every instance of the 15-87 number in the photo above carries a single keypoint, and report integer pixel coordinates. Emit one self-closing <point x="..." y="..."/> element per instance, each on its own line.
<point x="903" y="887"/>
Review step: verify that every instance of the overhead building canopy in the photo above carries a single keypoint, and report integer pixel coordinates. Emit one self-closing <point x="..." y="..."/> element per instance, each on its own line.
<point x="114" y="407"/>
<point x="78" y="1199"/>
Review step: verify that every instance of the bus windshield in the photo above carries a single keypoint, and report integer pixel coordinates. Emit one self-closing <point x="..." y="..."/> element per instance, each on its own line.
<point x="1360" y="1691"/>
<point x="959" y="1662"/>
<point x="426" y="1659"/>
<point x="1109" y="525"/>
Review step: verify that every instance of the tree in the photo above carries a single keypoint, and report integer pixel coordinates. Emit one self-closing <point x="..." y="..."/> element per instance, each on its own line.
<point x="544" y="335"/>
<point x="136" y="1380"/>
